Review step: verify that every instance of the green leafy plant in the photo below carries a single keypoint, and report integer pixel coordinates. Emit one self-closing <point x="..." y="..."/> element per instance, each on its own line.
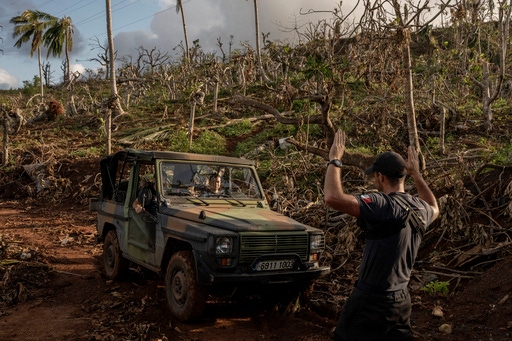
<point x="178" y="141"/>
<point x="209" y="142"/>
<point x="88" y="152"/>
<point x="241" y="128"/>
<point x="502" y="155"/>
<point x="436" y="287"/>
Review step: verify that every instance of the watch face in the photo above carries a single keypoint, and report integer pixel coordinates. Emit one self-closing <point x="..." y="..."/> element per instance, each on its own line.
<point x="335" y="162"/>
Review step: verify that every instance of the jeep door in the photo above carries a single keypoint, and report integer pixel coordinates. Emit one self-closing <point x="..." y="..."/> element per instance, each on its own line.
<point x="141" y="227"/>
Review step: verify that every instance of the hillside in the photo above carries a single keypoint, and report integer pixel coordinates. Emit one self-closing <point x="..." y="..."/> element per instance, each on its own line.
<point x="285" y="122"/>
<point x="45" y="205"/>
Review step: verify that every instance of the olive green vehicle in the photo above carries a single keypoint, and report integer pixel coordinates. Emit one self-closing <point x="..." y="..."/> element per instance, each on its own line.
<point x="204" y="222"/>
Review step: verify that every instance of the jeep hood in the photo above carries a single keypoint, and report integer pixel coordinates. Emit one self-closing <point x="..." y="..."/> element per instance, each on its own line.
<point x="237" y="219"/>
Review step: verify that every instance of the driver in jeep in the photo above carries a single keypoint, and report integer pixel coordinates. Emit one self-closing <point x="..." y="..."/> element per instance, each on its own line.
<point x="146" y="199"/>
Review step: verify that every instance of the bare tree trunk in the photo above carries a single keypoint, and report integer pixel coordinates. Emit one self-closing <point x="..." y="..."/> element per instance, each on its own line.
<point x="241" y="76"/>
<point x="409" y="97"/>
<point x="196" y="99"/>
<point x="491" y="91"/>
<point x="215" y="95"/>
<point x="72" y="106"/>
<point x="191" y="123"/>
<point x="505" y="11"/>
<point x="108" y="130"/>
<point x="40" y="74"/>
<point x="68" y="64"/>
<point x="257" y="27"/>
<point x="5" y="145"/>
<point x="179" y="7"/>
<point x="261" y="72"/>
<point x="486" y="96"/>
<point x="118" y="110"/>
<point x="186" y="36"/>
<point x="71" y="87"/>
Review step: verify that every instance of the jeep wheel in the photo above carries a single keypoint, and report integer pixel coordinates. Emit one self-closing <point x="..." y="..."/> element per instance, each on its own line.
<point x="113" y="263"/>
<point x="185" y="297"/>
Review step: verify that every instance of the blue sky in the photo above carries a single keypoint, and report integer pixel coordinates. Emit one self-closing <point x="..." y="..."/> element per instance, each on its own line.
<point x="150" y="24"/>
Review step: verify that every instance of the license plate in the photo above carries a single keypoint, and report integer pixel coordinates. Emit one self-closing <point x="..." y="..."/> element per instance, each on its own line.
<point x="270" y="265"/>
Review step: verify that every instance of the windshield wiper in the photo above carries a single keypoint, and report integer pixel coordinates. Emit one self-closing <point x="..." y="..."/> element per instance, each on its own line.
<point x="197" y="198"/>
<point x="227" y="198"/>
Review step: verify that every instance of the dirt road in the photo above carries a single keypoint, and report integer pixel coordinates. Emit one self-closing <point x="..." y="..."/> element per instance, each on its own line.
<point x="55" y="291"/>
<point x="51" y="288"/>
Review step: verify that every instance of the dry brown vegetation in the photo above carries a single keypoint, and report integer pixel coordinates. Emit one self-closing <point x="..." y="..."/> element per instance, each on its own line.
<point x="48" y="259"/>
<point x="48" y="191"/>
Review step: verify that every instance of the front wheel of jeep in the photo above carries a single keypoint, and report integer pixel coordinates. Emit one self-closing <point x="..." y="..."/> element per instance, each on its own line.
<point x="185" y="297"/>
<point x="114" y="265"/>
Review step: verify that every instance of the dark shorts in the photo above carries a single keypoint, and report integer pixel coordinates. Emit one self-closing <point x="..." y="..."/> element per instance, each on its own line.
<point x="375" y="317"/>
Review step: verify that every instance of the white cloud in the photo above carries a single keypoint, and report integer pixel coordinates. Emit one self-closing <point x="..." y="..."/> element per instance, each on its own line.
<point x="7" y="81"/>
<point x="208" y="20"/>
<point x="77" y="67"/>
<point x="155" y="24"/>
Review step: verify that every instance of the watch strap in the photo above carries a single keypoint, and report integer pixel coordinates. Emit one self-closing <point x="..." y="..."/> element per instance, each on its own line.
<point x="335" y="162"/>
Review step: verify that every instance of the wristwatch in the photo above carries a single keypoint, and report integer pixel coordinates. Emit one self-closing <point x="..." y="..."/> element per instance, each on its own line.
<point x="335" y="162"/>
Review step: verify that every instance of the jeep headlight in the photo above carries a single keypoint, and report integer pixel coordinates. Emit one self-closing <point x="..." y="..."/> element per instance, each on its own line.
<point x="316" y="243"/>
<point x="223" y="246"/>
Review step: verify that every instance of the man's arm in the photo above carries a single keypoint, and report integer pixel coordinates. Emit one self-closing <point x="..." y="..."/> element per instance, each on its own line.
<point x="137" y="206"/>
<point x="424" y="191"/>
<point x="334" y="195"/>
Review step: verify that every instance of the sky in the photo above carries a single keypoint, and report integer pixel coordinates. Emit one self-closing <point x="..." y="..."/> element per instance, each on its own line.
<point x="150" y="24"/>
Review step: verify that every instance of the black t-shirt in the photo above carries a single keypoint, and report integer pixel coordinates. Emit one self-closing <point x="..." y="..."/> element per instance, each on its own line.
<point x="391" y="242"/>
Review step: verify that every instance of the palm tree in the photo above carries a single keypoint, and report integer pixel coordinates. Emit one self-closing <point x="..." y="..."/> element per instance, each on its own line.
<point x="32" y="25"/>
<point x="179" y="7"/>
<point x="59" y="37"/>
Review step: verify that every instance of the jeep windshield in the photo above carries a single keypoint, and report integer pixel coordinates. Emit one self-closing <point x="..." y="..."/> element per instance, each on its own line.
<point x="208" y="181"/>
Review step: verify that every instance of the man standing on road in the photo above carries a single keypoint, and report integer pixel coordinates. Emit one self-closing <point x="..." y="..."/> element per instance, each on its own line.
<point x="379" y="307"/>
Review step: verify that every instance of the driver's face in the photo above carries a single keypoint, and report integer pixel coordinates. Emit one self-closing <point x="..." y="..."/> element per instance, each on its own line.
<point x="216" y="183"/>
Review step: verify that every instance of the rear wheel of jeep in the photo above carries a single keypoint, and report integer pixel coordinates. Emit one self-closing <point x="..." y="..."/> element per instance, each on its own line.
<point x="114" y="265"/>
<point x="185" y="297"/>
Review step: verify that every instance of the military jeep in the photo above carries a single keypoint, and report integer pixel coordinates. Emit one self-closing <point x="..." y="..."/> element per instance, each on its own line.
<point x="202" y="221"/>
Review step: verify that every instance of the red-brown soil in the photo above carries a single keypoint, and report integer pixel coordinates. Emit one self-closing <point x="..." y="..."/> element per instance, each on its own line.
<point x="51" y="288"/>
<point x="59" y="294"/>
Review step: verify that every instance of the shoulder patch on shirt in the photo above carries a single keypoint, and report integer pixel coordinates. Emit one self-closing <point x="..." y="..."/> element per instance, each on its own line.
<point x="366" y="198"/>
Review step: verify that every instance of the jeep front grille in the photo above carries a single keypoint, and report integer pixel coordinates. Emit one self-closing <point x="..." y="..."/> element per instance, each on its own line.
<point x="254" y="244"/>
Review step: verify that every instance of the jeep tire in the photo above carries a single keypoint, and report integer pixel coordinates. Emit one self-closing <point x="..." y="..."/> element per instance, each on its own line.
<point x="185" y="297"/>
<point x="114" y="265"/>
